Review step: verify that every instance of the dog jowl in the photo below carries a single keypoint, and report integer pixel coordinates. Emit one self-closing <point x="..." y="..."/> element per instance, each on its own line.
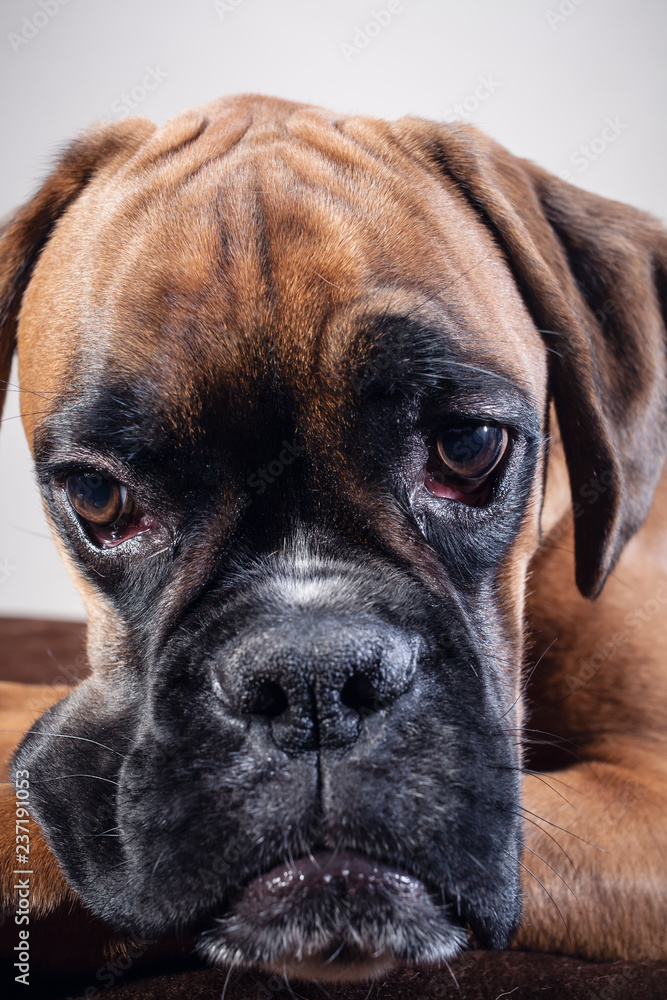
<point x="299" y="736"/>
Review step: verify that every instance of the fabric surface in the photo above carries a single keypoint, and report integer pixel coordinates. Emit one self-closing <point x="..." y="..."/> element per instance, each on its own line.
<point x="479" y="976"/>
<point x="39" y="652"/>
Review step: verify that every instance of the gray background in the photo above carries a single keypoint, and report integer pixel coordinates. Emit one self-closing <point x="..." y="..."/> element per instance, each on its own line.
<point x="541" y="77"/>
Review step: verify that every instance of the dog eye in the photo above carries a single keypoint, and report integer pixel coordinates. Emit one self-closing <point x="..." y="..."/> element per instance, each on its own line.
<point x="463" y="459"/>
<point x="471" y="452"/>
<point x="96" y="498"/>
<point x="107" y="508"/>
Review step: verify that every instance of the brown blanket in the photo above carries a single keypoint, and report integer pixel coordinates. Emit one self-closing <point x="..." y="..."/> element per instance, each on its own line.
<point x="38" y="652"/>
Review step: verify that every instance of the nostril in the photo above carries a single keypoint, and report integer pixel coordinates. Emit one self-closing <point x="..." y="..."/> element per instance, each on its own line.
<point x="270" y="700"/>
<point x="360" y="693"/>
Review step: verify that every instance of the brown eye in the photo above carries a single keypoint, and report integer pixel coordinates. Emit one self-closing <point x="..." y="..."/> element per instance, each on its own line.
<point x="99" y="500"/>
<point x="110" y="513"/>
<point x="461" y="463"/>
<point x="471" y="453"/>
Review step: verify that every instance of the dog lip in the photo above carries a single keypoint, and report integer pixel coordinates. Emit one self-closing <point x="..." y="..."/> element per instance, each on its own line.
<point x="334" y="915"/>
<point x="332" y="872"/>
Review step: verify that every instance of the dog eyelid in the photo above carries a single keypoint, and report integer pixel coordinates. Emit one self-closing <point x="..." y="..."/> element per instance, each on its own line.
<point x="105" y="507"/>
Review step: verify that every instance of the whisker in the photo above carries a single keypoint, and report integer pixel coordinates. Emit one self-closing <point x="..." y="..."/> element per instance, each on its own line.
<point x="15" y="387"/>
<point x="476" y="860"/>
<point x="19" y="416"/>
<point x="61" y="777"/>
<point x="105" y="833"/>
<point x="326" y="279"/>
<point x="560" y="794"/>
<point x="298" y="995"/>
<point x="552" y="777"/>
<point x="556" y="873"/>
<point x="29" y="531"/>
<point x="93" y="878"/>
<point x="551" y="837"/>
<point x="157" y="863"/>
<point x="523" y="689"/>
<point x="332" y="958"/>
<point x="562" y="829"/>
<point x="561" y="739"/>
<point x="542" y="886"/>
<point x="556" y="548"/>
<point x="451" y="972"/>
<point x="227" y="978"/>
<point x="64" y="736"/>
<point x="159" y="551"/>
<point x="561" y="746"/>
<point x="469" y="270"/>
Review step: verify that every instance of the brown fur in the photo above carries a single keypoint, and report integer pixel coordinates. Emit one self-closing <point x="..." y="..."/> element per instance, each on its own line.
<point x="503" y="244"/>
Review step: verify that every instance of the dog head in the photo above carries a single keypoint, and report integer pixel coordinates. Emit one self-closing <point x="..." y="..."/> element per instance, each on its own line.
<point x="286" y="379"/>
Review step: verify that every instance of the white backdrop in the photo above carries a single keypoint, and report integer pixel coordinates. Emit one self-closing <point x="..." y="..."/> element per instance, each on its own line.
<point x="577" y="85"/>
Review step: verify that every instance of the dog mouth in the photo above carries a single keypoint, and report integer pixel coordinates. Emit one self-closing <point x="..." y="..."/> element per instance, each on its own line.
<point x="334" y="916"/>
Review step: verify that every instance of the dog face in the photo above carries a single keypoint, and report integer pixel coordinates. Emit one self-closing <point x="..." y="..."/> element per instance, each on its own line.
<point x="291" y="437"/>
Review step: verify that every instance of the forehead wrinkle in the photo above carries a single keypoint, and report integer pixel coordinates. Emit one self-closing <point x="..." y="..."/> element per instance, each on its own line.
<point x="278" y="238"/>
<point x="391" y="329"/>
<point x="214" y="302"/>
<point x="192" y="312"/>
<point x="444" y="252"/>
<point x="328" y="243"/>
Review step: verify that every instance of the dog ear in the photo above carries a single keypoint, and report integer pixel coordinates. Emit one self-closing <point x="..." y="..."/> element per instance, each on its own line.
<point x="593" y="272"/>
<point x="25" y="234"/>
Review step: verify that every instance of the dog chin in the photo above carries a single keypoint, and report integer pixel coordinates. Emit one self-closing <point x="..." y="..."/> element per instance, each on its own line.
<point x="333" y="917"/>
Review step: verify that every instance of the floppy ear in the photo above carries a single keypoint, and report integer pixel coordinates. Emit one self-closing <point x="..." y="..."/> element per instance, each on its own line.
<point x="23" y="236"/>
<point x="593" y="272"/>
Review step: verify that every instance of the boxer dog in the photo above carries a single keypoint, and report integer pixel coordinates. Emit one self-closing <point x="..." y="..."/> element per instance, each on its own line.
<point x="328" y="415"/>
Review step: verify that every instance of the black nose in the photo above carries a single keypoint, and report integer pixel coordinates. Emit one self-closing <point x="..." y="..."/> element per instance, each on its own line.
<point x="315" y="681"/>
